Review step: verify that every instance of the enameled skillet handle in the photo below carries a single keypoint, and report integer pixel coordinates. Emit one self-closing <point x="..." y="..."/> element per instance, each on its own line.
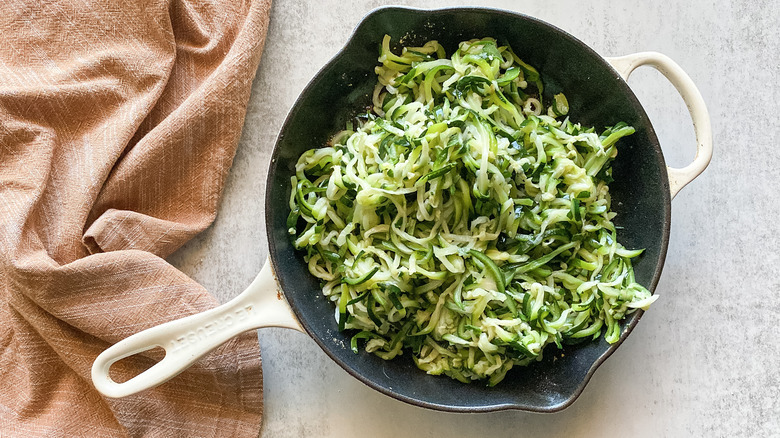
<point x="188" y="339"/>
<point x="678" y="178"/>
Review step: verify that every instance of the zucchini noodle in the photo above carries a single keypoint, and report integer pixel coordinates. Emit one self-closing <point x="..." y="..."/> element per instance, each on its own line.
<point x="461" y="221"/>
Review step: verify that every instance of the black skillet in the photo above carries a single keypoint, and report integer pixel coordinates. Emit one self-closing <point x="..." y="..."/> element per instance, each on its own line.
<point x="598" y="96"/>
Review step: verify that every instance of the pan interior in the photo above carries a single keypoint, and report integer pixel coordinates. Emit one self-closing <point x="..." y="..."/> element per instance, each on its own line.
<point x="597" y="97"/>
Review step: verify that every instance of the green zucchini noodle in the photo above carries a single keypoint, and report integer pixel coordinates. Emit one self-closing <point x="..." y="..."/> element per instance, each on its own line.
<point x="462" y="221"/>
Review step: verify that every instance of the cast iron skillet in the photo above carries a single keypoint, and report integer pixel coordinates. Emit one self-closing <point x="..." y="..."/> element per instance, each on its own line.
<point x="598" y="96"/>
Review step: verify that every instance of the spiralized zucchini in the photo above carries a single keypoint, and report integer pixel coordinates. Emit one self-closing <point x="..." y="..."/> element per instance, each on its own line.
<point x="462" y="223"/>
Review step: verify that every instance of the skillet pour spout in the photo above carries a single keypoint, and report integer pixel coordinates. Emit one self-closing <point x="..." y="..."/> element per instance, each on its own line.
<point x="598" y="95"/>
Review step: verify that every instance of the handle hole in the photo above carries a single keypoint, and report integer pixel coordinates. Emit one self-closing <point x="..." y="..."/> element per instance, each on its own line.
<point x="668" y="113"/>
<point x="126" y="368"/>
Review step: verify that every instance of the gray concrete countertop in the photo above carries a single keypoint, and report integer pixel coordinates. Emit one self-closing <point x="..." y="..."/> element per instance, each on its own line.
<point x="702" y="362"/>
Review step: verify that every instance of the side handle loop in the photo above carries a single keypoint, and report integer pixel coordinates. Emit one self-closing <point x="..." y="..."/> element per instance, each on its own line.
<point x="678" y="178"/>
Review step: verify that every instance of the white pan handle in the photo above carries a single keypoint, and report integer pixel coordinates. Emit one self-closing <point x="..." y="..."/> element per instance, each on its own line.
<point x="188" y="339"/>
<point x="678" y="178"/>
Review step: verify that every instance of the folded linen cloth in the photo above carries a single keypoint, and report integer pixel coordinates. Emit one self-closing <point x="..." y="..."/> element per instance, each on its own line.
<point x="118" y="125"/>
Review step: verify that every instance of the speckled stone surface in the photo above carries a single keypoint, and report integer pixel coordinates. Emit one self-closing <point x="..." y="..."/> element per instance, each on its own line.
<point x="704" y="361"/>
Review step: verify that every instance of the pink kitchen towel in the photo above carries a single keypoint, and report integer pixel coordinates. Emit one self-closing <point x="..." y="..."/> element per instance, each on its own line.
<point x="119" y="121"/>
